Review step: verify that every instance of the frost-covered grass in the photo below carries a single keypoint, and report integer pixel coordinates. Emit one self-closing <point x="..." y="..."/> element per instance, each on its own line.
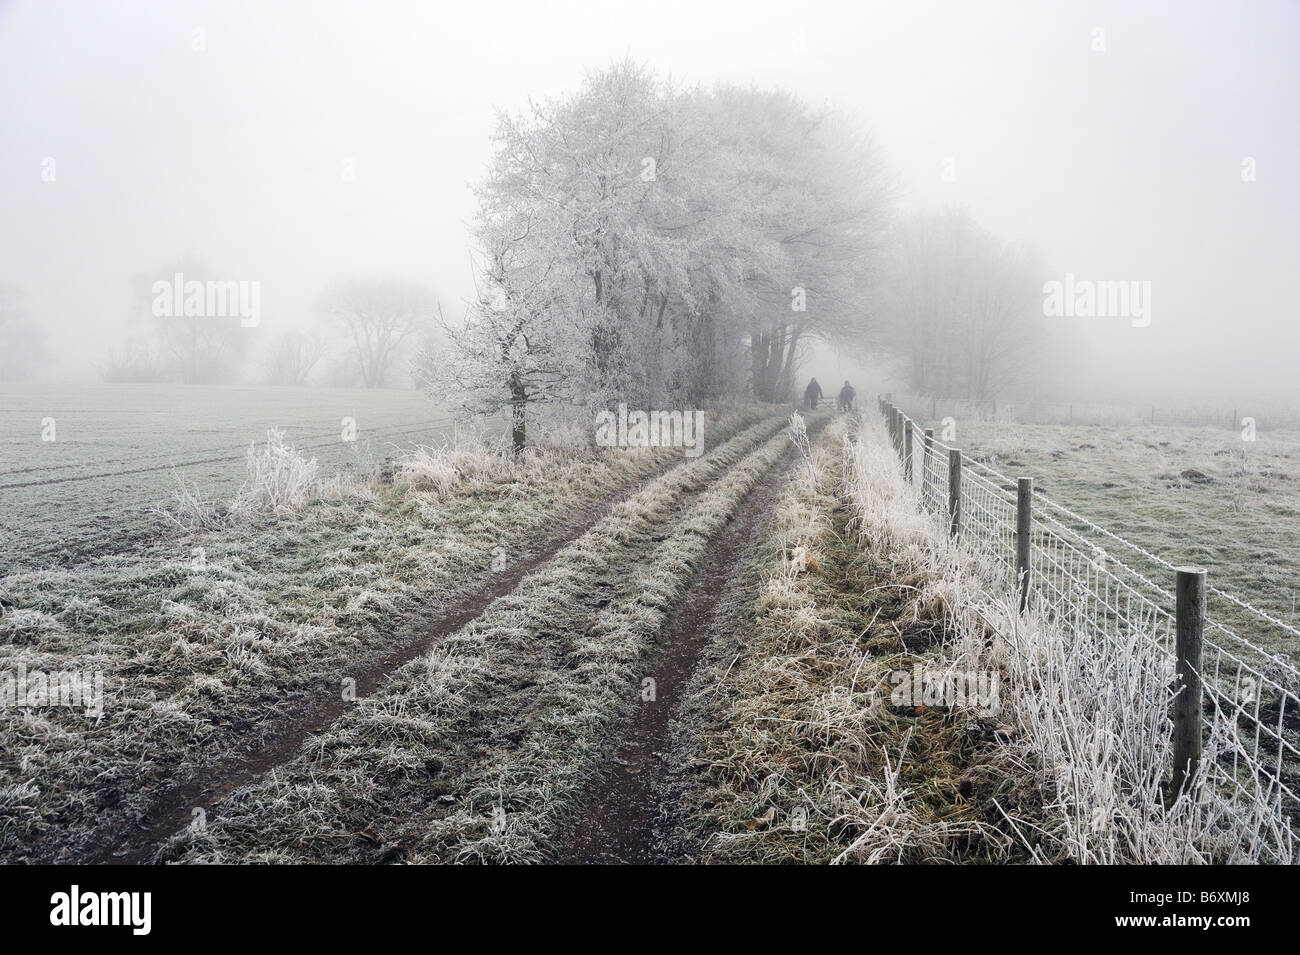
<point x="281" y="480"/>
<point x="810" y="759"/>
<point x="798" y="754"/>
<point x="474" y="751"/>
<point x="1192" y="496"/>
<point x="202" y="431"/>
<point x="208" y="639"/>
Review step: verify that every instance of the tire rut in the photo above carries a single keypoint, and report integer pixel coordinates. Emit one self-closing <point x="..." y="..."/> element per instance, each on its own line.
<point x="627" y="813"/>
<point x="173" y="811"/>
<point x="515" y="700"/>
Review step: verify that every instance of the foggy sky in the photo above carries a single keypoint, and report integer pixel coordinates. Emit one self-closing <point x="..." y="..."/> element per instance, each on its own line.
<point x="1118" y="165"/>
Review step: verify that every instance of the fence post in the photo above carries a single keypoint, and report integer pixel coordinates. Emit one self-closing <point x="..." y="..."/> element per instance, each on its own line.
<point x="954" y="493"/>
<point x="1189" y="613"/>
<point x="907" y="452"/>
<point x="1024" y="519"/>
<point x="927" y="450"/>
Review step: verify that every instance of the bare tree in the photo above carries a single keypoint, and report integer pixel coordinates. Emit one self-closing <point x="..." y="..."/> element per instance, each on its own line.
<point x="810" y="208"/>
<point x="134" y="362"/>
<point x="510" y="352"/>
<point x="292" y="357"/>
<point x="196" y="348"/>
<point x="377" y="316"/>
<point x="962" y="306"/>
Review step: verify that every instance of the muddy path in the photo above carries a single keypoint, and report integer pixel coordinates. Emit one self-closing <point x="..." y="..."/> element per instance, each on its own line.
<point x="629" y="816"/>
<point x="280" y="739"/>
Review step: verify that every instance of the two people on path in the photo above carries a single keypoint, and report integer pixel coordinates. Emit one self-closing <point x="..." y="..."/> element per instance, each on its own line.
<point x="813" y="393"/>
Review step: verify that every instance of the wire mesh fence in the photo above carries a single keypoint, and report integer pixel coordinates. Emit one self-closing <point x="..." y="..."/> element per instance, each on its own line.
<point x="1093" y="584"/>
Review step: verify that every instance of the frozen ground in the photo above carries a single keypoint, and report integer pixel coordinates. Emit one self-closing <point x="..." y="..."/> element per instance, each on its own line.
<point x="88" y="491"/>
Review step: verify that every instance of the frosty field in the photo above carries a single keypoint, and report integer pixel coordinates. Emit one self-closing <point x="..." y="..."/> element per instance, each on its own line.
<point x="587" y="654"/>
<point x="1192" y="496"/>
<point x="117" y="450"/>
<point x="217" y="667"/>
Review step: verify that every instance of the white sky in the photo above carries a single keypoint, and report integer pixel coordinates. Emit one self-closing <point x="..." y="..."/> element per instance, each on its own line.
<point x="1116" y="165"/>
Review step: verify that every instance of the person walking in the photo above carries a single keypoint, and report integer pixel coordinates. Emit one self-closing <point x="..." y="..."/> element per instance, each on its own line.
<point x="812" y="394"/>
<point x="847" y="394"/>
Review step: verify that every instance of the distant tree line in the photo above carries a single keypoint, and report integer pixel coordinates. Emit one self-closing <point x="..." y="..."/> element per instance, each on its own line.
<point x="962" y="308"/>
<point x="643" y="243"/>
<point x="364" y="332"/>
<point x="640" y="242"/>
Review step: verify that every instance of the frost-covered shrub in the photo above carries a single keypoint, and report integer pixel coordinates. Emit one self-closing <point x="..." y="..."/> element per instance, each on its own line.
<point x="280" y="479"/>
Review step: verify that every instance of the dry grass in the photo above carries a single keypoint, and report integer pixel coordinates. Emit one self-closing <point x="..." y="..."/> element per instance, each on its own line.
<point x="802" y="756"/>
<point x="811" y="758"/>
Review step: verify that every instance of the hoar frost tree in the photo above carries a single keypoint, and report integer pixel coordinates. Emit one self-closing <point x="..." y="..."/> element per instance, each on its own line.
<point x="643" y="243"/>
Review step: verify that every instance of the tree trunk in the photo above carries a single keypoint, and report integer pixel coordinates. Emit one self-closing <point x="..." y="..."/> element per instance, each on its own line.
<point x="518" y="414"/>
<point x="785" y="385"/>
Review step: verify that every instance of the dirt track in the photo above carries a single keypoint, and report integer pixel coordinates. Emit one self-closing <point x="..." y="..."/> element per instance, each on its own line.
<point x="173" y="809"/>
<point x="629" y="812"/>
<point x="281" y="741"/>
<point x="630" y="815"/>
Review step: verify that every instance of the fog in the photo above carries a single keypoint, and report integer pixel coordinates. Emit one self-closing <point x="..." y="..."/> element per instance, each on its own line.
<point x="1115" y="163"/>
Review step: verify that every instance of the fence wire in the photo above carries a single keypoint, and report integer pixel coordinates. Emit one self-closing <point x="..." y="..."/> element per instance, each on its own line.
<point x="1251" y="708"/>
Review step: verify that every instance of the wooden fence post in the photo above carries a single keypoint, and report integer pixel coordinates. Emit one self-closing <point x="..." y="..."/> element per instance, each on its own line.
<point x="954" y="493"/>
<point x="907" y="452"/>
<point x="927" y="450"/>
<point x="1024" y="525"/>
<point x="1189" y="614"/>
